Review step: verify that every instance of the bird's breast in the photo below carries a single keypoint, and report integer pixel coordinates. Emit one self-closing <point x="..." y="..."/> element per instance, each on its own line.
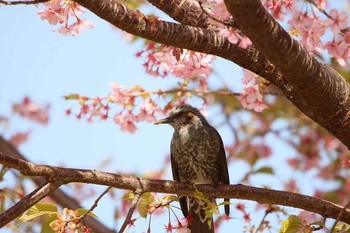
<point x="195" y="154"/>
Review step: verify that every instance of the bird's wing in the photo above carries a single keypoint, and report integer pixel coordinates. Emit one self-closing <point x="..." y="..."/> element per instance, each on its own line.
<point x="183" y="200"/>
<point x="222" y="166"/>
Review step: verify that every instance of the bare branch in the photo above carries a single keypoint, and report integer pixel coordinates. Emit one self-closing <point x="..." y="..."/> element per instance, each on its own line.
<point x="134" y="203"/>
<point x="260" y="195"/>
<point x="12" y="3"/>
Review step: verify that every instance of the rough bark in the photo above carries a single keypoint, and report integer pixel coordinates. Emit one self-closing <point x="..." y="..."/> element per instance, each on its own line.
<point x="260" y="195"/>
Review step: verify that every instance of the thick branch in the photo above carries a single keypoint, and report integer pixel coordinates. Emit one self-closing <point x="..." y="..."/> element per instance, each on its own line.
<point x="260" y="195"/>
<point x="325" y="95"/>
<point x="187" y="12"/>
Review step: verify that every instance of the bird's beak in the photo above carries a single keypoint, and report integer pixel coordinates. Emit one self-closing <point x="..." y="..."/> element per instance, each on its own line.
<point x="166" y="120"/>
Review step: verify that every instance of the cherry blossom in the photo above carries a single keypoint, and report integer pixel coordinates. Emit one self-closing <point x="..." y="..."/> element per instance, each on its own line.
<point x="80" y="26"/>
<point x="251" y="98"/>
<point x="235" y="38"/>
<point x="338" y="21"/>
<point x="60" y="11"/>
<point x="126" y="121"/>
<point x="54" y="14"/>
<point x="182" y="63"/>
<point x="19" y="138"/>
<point x="32" y="111"/>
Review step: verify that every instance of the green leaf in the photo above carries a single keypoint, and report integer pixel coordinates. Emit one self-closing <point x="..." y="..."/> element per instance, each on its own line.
<point x="266" y="170"/>
<point x="317" y="224"/>
<point x="45" y="227"/>
<point x="146" y="199"/>
<point x="224" y="203"/>
<point x="128" y="196"/>
<point x="82" y="211"/>
<point x="71" y="97"/>
<point x="341" y="227"/>
<point x="291" y="225"/>
<point x="38" y="210"/>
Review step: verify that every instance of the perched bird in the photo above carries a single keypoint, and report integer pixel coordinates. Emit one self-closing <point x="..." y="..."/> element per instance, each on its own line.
<point x="197" y="157"/>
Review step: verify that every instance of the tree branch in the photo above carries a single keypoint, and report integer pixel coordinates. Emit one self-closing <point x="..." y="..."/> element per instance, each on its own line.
<point x="260" y="195"/>
<point x="325" y="95"/>
<point x="12" y="3"/>
<point x="187" y="12"/>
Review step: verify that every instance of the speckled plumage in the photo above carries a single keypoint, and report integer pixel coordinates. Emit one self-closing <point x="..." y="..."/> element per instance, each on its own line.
<point x="197" y="157"/>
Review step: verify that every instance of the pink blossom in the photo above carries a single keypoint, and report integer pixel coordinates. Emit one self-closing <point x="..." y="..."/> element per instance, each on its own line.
<point x="19" y="138"/>
<point x="59" y="12"/>
<point x="252" y="99"/>
<point x="294" y="163"/>
<point x="64" y="30"/>
<point x="126" y="122"/>
<point x="51" y="16"/>
<point x="338" y="21"/>
<point x="245" y="42"/>
<point x="235" y="38"/>
<point x="145" y="115"/>
<point x="187" y="64"/>
<point x="291" y="186"/>
<point x="80" y="26"/>
<point x="121" y="96"/>
<point x="264" y="151"/>
<point x="28" y="109"/>
<point x="218" y="11"/>
<point x="339" y="49"/>
<point x="249" y="77"/>
<point x="231" y="35"/>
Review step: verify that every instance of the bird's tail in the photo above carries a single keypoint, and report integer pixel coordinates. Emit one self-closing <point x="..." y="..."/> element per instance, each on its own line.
<point x="198" y="222"/>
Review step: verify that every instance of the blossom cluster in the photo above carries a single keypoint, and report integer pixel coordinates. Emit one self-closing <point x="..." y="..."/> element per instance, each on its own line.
<point x="135" y="105"/>
<point x="251" y="96"/>
<point x="28" y="109"/>
<point x="60" y="11"/>
<point x="161" y="61"/>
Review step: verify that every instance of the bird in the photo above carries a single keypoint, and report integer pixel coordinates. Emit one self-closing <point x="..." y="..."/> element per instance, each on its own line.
<point x="197" y="157"/>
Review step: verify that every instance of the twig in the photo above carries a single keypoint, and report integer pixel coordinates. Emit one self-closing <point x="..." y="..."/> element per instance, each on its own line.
<point x="134" y="202"/>
<point x="320" y="9"/>
<point x="12" y="3"/>
<point x="339" y="216"/>
<point x="267" y="212"/>
<point x="96" y="202"/>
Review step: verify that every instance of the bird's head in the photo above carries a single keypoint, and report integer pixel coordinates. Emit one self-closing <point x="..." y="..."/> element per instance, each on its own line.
<point x="183" y="115"/>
